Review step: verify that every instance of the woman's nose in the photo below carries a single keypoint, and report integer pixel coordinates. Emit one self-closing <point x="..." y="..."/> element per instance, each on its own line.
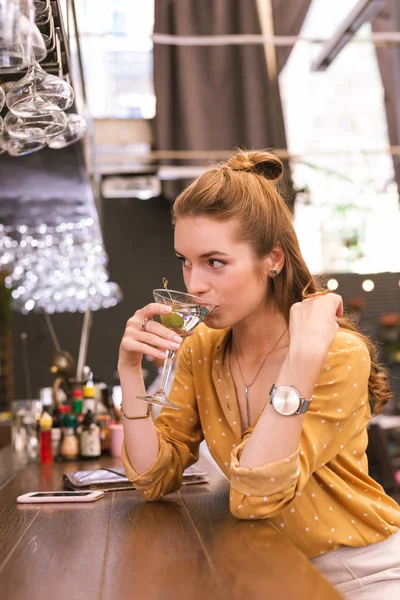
<point x="195" y="283"/>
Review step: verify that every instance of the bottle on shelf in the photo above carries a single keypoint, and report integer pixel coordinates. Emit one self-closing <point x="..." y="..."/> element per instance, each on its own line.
<point x="101" y="406"/>
<point x="77" y="401"/>
<point x="107" y="399"/>
<point x="45" y="424"/>
<point x="56" y="433"/>
<point x="104" y="424"/>
<point x="46" y="397"/>
<point x="89" y="396"/>
<point x="69" y="449"/>
<point x="90" y="443"/>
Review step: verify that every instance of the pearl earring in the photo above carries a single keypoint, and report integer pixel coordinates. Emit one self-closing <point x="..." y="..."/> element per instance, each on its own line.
<point x="273" y="272"/>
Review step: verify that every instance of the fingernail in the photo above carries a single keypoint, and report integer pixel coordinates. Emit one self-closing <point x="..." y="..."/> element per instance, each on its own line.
<point x="168" y="309"/>
<point x="162" y="355"/>
<point x="177" y="338"/>
<point x="174" y="345"/>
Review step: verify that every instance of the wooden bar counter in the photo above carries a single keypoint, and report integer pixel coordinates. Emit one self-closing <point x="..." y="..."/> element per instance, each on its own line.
<point x="185" y="547"/>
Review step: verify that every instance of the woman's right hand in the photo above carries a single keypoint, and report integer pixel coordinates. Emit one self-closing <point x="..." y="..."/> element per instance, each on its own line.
<point x="154" y="341"/>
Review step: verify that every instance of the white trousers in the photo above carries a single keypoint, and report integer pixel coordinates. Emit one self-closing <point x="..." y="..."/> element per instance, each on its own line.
<point x="370" y="572"/>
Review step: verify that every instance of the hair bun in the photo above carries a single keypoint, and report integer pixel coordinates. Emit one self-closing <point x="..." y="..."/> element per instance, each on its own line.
<point x="261" y="163"/>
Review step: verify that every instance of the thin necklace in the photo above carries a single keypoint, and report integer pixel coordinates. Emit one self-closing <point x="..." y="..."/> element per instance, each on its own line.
<point x="248" y="385"/>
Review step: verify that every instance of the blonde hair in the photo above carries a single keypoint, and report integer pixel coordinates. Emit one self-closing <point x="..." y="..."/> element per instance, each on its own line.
<point x="246" y="188"/>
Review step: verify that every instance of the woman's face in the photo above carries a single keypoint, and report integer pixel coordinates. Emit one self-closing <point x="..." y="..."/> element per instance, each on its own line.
<point x="220" y="269"/>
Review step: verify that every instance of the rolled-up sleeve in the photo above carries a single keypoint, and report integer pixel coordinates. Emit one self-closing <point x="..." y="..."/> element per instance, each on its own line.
<point x="338" y="412"/>
<point x="179" y="436"/>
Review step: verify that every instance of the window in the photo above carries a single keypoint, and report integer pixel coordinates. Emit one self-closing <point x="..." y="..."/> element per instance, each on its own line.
<point x="117" y="53"/>
<point x="348" y="217"/>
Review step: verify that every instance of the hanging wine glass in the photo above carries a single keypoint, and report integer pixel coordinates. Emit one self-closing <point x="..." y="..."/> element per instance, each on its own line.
<point x="38" y="48"/>
<point x="16" y="147"/>
<point x="39" y="90"/>
<point x="41" y="127"/>
<point x="74" y="131"/>
<point x="26" y="8"/>
<point x="20" y="39"/>
<point x="14" y="48"/>
<point x="2" y="98"/>
<point x="3" y="146"/>
<point x="60" y="269"/>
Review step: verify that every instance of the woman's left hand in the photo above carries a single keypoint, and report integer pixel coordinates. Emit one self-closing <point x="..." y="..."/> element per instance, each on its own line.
<point x="313" y="324"/>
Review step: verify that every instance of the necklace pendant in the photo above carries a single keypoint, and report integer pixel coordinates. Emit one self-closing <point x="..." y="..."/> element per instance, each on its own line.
<point x="246" y="391"/>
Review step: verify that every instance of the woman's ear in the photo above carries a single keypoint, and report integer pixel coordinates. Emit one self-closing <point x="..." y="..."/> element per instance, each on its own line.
<point x="276" y="259"/>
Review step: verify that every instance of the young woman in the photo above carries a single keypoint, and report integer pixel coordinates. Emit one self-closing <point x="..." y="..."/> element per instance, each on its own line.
<point x="276" y="381"/>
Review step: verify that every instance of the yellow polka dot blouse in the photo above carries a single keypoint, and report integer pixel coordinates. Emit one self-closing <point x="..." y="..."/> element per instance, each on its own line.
<point x="320" y="497"/>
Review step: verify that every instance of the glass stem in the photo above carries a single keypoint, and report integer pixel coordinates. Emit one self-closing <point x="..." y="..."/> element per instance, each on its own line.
<point x="169" y="361"/>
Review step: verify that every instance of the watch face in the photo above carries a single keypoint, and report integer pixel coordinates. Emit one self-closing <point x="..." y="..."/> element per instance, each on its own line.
<point x="286" y="400"/>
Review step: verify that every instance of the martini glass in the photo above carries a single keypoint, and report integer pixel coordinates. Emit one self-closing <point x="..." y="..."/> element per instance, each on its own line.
<point x="187" y="312"/>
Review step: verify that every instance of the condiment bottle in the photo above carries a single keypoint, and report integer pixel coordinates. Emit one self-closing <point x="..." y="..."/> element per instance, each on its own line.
<point x="70" y="443"/>
<point x="107" y="399"/>
<point x="77" y="399"/>
<point x="89" y="398"/>
<point x="56" y="434"/>
<point x="90" y="444"/>
<point x="101" y="397"/>
<point x="45" y="423"/>
<point x="104" y="424"/>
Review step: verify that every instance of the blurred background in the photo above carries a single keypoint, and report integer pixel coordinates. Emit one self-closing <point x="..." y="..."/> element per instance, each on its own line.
<point x="161" y="89"/>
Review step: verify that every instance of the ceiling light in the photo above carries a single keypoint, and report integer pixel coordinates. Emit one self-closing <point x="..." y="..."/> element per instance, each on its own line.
<point x="333" y="284"/>
<point x="368" y="285"/>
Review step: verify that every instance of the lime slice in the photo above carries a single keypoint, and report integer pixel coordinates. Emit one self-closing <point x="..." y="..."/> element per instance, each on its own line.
<point x="172" y="321"/>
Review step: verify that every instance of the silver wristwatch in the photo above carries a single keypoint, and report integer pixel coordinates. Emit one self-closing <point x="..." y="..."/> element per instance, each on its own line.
<point x="287" y="401"/>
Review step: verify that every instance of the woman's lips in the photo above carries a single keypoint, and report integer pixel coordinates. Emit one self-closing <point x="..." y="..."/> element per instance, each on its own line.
<point x="209" y="304"/>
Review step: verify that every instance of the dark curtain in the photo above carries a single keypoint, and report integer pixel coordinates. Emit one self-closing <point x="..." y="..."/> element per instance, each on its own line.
<point x="289" y="16"/>
<point x="389" y="64"/>
<point x="217" y="97"/>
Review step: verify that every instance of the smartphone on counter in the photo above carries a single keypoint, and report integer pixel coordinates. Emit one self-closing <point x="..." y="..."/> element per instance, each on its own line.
<point x="41" y="497"/>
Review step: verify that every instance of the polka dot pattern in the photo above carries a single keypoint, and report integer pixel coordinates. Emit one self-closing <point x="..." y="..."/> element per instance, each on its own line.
<point x="320" y="496"/>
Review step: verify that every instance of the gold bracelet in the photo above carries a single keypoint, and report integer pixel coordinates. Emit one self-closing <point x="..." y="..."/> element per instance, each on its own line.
<point x="139" y="417"/>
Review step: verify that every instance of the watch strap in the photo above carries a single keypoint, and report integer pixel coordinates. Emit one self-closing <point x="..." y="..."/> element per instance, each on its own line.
<point x="305" y="405"/>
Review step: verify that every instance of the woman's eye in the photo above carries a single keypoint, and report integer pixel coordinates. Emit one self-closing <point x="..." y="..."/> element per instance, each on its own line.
<point x="216" y="264"/>
<point x="184" y="261"/>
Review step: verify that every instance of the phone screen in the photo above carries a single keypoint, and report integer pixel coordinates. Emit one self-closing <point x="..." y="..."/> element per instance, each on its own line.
<point x="46" y="494"/>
